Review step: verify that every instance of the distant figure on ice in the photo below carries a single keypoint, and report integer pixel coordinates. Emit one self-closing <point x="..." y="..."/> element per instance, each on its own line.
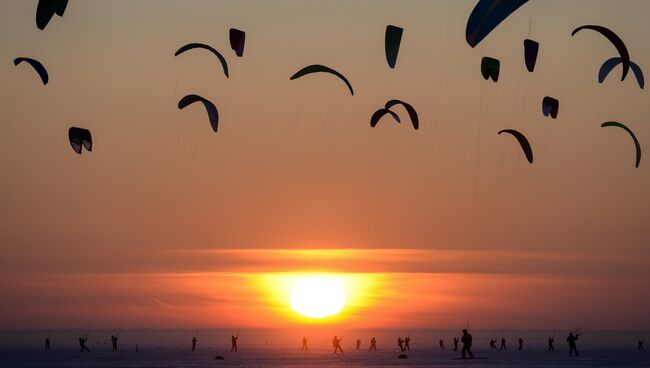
<point x="441" y="342"/>
<point x="233" y="340"/>
<point x="407" y="343"/>
<point x="373" y="344"/>
<point x="466" y="339"/>
<point x="550" y="344"/>
<point x="640" y="347"/>
<point x="400" y="343"/>
<point x="304" y="344"/>
<point x="136" y="347"/>
<point x="455" y="343"/>
<point x="521" y="344"/>
<point x="571" y="339"/>
<point x="336" y="342"/>
<point x="47" y="343"/>
<point x="492" y="344"/>
<point x="503" y="344"/>
<point x="358" y="343"/>
<point x="82" y="344"/>
<point x="114" y="342"/>
<point x="194" y="340"/>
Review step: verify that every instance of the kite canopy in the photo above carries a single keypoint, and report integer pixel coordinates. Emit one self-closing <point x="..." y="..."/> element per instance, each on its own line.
<point x="637" y="146"/>
<point x="374" y="119"/>
<point x="550" y="106"/>
<point x="191" y="46"/>
<point x="610" y="64"/>
<point x="486" y="16"/>
<point x="316" y="68"/>
<point x="392" y="42"/>
<point x="237" y="41"/>
<point x="490" y="68"/>
<point x="213" y="113"/>
<point x="80" y="137"/>
<point x="531" y="48"/>
<point x="40" y="69"/>
<point x="413" y="115"/>
<point x="614" y="39"/>
<point x="46" y="10"/>
<point x="523" y="142"/>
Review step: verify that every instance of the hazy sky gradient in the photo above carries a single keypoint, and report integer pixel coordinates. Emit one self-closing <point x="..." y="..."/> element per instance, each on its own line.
<point x="296" y="165"/>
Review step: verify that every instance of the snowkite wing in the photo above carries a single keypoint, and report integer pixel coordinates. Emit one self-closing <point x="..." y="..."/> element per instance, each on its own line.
<point x="40" y="69"/>
<point x="614" y="39"/>
<point x="213" y="113"/>
<point x="191" y="46"/>
<point x="317" y="68"/>
<point x="637" y="146"/>
<point x="486" y="16"/>
<point x="523" y="142"/>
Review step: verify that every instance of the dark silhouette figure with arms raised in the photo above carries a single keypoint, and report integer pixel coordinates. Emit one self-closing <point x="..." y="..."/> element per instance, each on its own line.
<point x="466" y="339"/>
<point x="373" y="344"/>
<point x="358" y="343"/>
<point x="114" y="342"/>
<point x="640" y="346"/>
<point x="82" y="344"/>
<point x="441" y="342"/>
<point x="503" y="344"/>
<point x="521" y="344"/>
<point x="336" y="342"/>
<point x="47" y="344"/>
<point x="233" y="340"/>
<point x="194" y="340"/>
<point x="550" y="344"/>
<point x="407" y="343"/>
<point x="571" y="339"/>
<point x="400" y="343"/>
<point x="455" y="344"/>
<point x="492" y="344"/>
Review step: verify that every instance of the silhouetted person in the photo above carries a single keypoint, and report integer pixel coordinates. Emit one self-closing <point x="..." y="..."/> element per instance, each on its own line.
<point x="441" y="343"/>
<point x="455" y="344"/>
<point x="358" y="343"/>
<point x="503" y="344"/>
<point x="640" y="347"/>
<point x="550" y="344"/>
<point x="47" y="344"/>
<point x="466" y="339"/>
<point x="373" y="344"/>
<point x="114" y="342"/>
<point x="407" y="343"/>
<point x="492" y="344"/>
<point x="571" y="339"/>
<point x="304" y="344"/>
<point x="82" y="344"/>
<point x="194" y="340"/>
<point x="400" y="343"/>
<point x="233" y="340"/>
<point x="136" y="347"/>
<point x="336" y="342"/>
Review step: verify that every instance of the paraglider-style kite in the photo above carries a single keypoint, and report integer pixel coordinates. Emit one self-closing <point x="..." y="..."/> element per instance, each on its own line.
<point x="531" y="48"/>
<point x="80" y="138"/>
<point x="610" y="64"/>
<point x="391" y="44"/>
<point x="523" y="142"/>
<point x="191" y="46"/>
<point x="637" y="146"/>
<point x="316" y="68"/>
<point x="615" y="40"/>
<point x="490" y="68"/>
<point x="213" y="113"/>
<point x="40" y="69"/>
<point x="46" y="10"/>
<point x="413" y="115"/>
<point x="237" y="41"/>
<point x="550" y="106"/>
<point x="486" y="16"/>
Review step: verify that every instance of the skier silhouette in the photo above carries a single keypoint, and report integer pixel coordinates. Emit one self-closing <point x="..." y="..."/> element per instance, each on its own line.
<point x="492" y="344"/>
<point x="455" y="343"/>
<point x="336" y="342"/>
<point x="194" y="340"/>
<point x="400" y="343"/>
<point x="441" y="342"/>
<point x="358" y="343"/>
<point x="521" y="344"/>
<point x="550" y="344"/>
<point x="407" y="343"/>
<point x="373" y="344"/>
<point x="82" y="344"/>
<point x="466" y="339"/>
<point x="47" y="344"/>
<point x="114" y="342"/>
<point x="503" y="344"/>
<point x="571" y="339"/>
<point x="304" y="344"/>
<point x="640" y="346"/>
<point x="233" y="340"/>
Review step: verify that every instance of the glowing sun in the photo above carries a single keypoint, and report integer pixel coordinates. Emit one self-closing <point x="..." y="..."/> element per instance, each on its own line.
<point x="317" y="296"/>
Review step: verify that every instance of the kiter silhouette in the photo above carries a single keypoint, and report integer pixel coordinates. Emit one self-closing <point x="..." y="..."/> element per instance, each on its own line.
<point x="466" y="339"/>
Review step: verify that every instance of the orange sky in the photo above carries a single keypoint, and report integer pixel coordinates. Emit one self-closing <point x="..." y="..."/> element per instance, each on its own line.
<point x="165" y="217"/>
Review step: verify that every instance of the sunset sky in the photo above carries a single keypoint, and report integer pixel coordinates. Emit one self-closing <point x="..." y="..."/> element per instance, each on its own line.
<point x="174" y="226"/>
